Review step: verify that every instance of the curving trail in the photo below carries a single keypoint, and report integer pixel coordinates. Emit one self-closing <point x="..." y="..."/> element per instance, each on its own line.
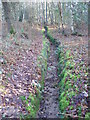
<point x="49" y="107"/>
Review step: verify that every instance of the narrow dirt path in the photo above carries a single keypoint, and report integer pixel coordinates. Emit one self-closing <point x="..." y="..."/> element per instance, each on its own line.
<point x="49" y="106"/>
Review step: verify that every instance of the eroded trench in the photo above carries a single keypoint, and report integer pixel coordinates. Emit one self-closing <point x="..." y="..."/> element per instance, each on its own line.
<point x="49" y="107"/>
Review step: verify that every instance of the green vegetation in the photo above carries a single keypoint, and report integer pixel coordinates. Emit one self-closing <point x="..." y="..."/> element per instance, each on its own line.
<point x="12" y="31"/>
<point x="42" y="60"/>
<point x="63" y="104"/>
<point x="71" y="107"/>
<point x="31" y="104"/>
<point x="66" y="77"/>
<point x="68" y="90"/>
<point x="49" y="36"/>
<point x="87" y="116"/>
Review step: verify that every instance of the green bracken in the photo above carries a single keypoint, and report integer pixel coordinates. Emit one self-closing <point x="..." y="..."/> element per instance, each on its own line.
<point x="63" y="104"/>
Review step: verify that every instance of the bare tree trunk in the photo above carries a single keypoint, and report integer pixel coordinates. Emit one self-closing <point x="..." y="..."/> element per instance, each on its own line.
<point x="55" y="19"/>
<point x="13" y="5"/>
<point x="46" y="13"/>
<point x="52" y="13"/>
<point x="59" y="24"/>
<point x="60" y="12"/>
<point x="7" y="14"/>
<point x="49" y="13"/>
<point x="43" y="18"/>
<point x="72" y="18"/>
<point x="23" y="12"/>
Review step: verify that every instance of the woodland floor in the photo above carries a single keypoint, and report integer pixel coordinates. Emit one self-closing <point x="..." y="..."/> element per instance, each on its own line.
<point x="19" y="69"/>
<point x="18" y="59"/>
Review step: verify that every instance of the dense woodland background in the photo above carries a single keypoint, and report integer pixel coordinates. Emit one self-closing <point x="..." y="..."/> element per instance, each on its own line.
<point x="71" y="16"/>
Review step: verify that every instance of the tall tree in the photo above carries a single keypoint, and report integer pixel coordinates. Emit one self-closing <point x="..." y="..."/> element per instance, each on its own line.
<point x="72" y="17"/>
<point x="43" y="11"/>
<point x="46" y="13"/>
<point x="6" y="8"/>
<point x="52" y="13"/>
<point x="60" y="12"/>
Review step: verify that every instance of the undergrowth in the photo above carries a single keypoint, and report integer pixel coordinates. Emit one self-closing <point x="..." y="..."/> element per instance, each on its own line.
<point x="42" y="59"/>
<point x="68" y="80"/>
